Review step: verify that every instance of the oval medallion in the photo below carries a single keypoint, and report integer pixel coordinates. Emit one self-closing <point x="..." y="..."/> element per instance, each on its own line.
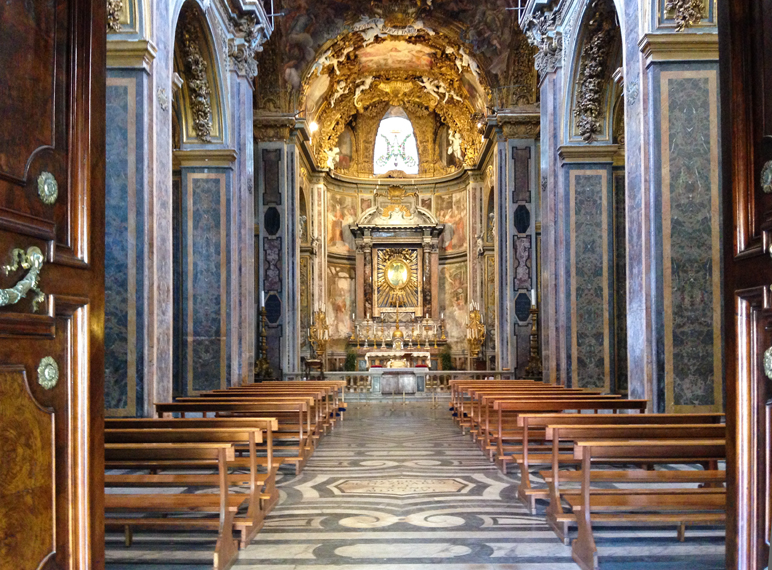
<point x="48" y="188"/>
<point x="48" y="373"/>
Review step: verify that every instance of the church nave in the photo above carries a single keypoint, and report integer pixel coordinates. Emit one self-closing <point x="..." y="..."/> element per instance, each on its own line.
<point x="399" y="487"/>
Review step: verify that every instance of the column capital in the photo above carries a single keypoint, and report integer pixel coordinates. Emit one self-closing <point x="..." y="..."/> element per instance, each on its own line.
<point x="588" y="153"/>
<point x="206" y="158"/>
<point x="519" y="125"/>
<point x="131" y="54"/>
<point x="679" y="47"/>
<point x="273" y="127"/>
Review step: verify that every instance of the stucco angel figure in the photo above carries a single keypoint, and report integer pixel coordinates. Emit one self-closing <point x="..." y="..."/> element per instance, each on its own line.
<point x="432" y="87"/>
<point x="454" y="146"/>
<point x="333" y="156"/>
<point x="362" y="86"/>
<point x="340" y="90"/>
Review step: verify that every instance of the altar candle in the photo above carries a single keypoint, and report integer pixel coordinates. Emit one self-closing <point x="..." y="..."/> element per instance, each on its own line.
<point x="262" y="298"/>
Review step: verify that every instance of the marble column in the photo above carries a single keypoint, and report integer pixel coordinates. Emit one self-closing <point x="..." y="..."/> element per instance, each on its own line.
<point x="242" y="243"/>
<point x="517" y="206"/>
<point x="277" y="173"/>
<point x="551" y="302"/>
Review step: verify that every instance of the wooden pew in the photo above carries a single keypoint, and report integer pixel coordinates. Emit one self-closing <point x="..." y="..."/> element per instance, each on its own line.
<point x="224" y="504"/>
<point x="296" y="412"/>
<point x="537" y="426"/>
<point x="560" y="521"/>
<point x="481" y="406"/>
<point x="490" y="422"/>
<point x="642" y="506"/>
<point x="314" y="426"/>
<point x="247" y="526"/>
<point x="511" y="409"/>
<point x="265" y="458"/>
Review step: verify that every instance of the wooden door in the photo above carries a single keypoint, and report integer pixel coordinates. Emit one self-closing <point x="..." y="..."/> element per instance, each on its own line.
<point x="746" y="70"/>
<point x="52" y="113"/>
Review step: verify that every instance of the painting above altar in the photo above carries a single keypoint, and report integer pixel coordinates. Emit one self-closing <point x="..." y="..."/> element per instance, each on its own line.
<point x="397" y="243"/>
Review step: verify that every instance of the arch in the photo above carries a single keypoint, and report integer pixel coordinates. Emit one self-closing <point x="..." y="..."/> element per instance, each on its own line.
<point x="597" y="53"/>
<point x="200" y="100"/>
<point x="396" y="147"/>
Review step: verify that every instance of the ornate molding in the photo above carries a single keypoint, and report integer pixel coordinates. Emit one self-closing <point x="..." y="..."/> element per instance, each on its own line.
<point x="540" y="31"/>
<point x="197" y="80"/>
<point x="273" y="127"/>
<point x="114" y="14"/>
<point x="686" y="13"/>
<point x="593" y="73"/>
<point x="519" y="126"/>
<point x="247" y="43"/>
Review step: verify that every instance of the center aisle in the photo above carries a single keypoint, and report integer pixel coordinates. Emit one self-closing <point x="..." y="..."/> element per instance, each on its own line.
<point x="402" y="488"/>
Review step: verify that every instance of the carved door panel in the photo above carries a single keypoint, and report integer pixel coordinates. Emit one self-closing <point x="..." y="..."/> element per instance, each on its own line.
<point x="746" y="68"/>
<point x="52" y="113"/>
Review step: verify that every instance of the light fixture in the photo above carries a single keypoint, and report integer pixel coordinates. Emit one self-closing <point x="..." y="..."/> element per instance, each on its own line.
<point x="314" y="126"/>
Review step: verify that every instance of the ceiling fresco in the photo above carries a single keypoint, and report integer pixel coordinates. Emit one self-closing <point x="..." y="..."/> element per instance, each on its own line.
<point x="339" y="59"/>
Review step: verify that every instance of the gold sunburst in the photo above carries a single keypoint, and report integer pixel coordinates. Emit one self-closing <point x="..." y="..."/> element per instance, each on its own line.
<point x="397" y="278"/>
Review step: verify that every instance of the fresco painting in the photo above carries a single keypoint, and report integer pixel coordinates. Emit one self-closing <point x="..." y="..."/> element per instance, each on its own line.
<point x="395" y="55"/>
<point x="451" y="211"/>
<point x="453" y="300"/>
<point x="341" y="213"/>
<point x="341" y="300"/>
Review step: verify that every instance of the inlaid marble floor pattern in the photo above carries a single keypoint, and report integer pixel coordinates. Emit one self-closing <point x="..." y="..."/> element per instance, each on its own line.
<point x="399" y="487"/>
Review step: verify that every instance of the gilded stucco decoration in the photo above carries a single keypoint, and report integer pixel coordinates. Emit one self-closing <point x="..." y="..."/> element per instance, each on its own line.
<point x="593" y="77"/>
<point x="423" y="73"/>
<point x="397" y="278"/>
<point x="196" y="80"/>
<point x="490" y="45"/>
<point x="686" y="13"/>
<point x="114" y="14"/>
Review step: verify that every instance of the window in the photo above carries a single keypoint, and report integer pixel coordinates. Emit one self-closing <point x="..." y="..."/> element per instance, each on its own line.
<point x="395" y="144"/>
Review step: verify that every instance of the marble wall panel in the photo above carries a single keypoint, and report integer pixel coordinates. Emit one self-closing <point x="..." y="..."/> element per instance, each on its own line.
<point x="522" y="262"/>
<point x="691" y="238"/>
<point x="124" y="248"/>
<point x="590" y="302"/>
<point x="205" y="267"/>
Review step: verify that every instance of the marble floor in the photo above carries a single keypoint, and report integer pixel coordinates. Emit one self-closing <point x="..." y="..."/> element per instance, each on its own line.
<point x="399" y="487"/>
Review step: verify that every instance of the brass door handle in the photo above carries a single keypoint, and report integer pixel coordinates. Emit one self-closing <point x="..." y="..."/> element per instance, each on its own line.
<point x="32" y="260"/>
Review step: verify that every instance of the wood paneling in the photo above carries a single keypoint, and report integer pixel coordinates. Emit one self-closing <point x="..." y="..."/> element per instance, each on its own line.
<point x="746" y="73"/>
<point x="52" y="119"/>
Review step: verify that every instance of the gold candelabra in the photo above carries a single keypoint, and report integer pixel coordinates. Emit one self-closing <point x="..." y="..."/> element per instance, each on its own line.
<point x="319" y="334"/>
<point x="263" y="369"/>
<point x="475" y="331"/>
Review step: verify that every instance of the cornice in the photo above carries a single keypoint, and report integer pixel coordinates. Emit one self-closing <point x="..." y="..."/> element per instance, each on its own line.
<point x="588" y="153"/>
<point x="679" y="46"/>
<point x="132" y="54"/>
